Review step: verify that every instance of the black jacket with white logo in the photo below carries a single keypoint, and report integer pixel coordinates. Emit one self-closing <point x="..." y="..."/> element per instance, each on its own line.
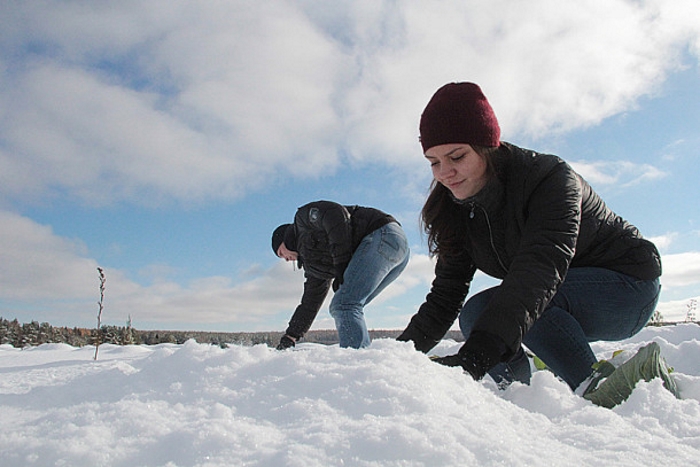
<point x="327" y="235"/>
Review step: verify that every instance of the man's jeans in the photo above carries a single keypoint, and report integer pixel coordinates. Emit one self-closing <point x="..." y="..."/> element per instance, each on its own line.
<point x="592" y="304"/>
<point x="378" y="260"/>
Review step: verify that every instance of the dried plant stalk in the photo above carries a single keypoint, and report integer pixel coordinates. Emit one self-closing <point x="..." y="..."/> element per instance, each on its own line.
<point x="100" y="304"/>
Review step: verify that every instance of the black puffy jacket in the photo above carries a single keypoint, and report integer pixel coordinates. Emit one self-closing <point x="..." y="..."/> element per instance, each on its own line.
<point x="327" y="235"/>
<point x="531" y="223"/>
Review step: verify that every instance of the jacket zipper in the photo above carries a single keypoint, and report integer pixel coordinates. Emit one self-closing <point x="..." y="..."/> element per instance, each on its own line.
<point x="488" y="224"/>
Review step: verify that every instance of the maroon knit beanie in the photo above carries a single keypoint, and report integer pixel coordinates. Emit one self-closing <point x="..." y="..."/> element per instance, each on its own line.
<point x="459" y="113"/>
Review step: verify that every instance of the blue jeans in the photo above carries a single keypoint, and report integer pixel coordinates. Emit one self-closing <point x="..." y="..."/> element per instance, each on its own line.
<point x="379" y="259"/>
<point x="591" y="304"/>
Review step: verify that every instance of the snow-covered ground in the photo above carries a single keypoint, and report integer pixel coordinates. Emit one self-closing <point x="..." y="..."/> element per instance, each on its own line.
<point x="388" y="405"/>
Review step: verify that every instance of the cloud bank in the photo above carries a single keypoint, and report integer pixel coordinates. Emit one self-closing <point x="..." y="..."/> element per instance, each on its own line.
<point x="184" y="101"/>
<point x="188" y="102"/>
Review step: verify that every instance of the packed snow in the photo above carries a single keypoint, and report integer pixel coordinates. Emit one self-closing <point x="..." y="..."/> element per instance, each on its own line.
<point x="387" y="405"/>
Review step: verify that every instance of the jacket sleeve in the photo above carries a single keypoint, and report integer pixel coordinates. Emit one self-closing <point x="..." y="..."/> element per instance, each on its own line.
<point x="315" y="291"/>
<point x="552" y="216"/>
<point x="442" y="304"/>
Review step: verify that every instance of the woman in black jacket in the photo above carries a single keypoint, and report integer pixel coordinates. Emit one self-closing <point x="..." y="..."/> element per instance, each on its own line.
<point x="356" y="250"/>
<point x="572" y="270"/>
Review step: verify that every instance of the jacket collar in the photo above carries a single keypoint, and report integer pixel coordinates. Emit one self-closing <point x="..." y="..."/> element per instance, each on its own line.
<point x="490" y="198"/>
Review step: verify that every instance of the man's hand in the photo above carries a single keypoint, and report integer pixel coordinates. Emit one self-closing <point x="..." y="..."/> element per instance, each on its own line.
<point x="286" y="342"/>
<point x="339" y="272"/>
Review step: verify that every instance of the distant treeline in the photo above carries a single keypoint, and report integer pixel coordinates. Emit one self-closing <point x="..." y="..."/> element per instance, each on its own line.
<point x="35" y="333"/>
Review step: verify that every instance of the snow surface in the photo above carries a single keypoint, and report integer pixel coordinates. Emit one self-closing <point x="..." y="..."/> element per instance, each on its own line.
<point x="388" y="405"/>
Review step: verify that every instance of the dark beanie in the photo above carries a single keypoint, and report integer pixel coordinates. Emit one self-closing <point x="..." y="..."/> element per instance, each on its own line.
<point x="459" y="113"/>
<point x="284" y="233"/>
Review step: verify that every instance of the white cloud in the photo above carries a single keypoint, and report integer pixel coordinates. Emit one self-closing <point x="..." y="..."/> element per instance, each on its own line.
<point x="620" y="174"/>
<point x="154" y="101"/>
<point x="663" y="242"/>
<point x="213" y="107"/>
<point x="150" y="101"/>
<point x="681" y="269"/>
<point x="38" y="265"/>
<point x="42" y="269"/>
<point x="210" y="301"/>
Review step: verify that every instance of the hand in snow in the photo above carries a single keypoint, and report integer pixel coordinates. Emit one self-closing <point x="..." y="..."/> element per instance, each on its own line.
<point x="478" y="355"/>
<point x="421" y="341"/>
<point x="286" y="342"/>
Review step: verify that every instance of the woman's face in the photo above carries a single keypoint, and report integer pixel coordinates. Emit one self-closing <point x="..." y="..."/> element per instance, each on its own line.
<point x="459" y="168"/>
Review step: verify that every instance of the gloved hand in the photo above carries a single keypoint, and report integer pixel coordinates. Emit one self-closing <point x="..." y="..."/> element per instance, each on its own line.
<point x="421" y="341"/>
<point x="478" y="355"/>
<point x="339" y="272"/>
<point x="286" y="342"/>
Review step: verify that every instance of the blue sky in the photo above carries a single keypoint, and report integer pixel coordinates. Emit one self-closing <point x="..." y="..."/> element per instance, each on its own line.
<point x="164" y="141"/>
